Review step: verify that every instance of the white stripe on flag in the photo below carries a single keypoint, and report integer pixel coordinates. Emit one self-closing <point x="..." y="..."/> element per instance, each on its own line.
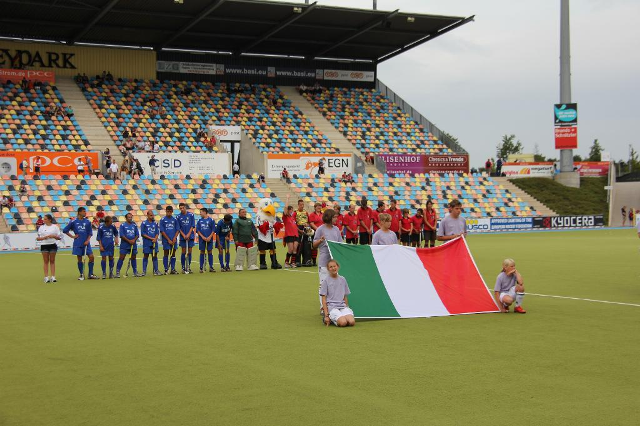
<point x="407" y="282"/>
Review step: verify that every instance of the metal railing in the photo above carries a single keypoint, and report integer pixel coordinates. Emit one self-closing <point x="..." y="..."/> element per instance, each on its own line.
<point x="419" y="118"/>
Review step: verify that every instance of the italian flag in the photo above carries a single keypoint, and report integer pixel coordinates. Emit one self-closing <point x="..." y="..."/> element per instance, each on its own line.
<point x="405" y="282"/>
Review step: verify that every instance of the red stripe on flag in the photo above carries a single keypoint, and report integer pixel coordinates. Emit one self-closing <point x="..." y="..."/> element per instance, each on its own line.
<point x="456" y="278"/>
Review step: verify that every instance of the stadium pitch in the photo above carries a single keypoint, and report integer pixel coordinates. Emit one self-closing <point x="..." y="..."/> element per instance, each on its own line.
<point x="249" y="347"/>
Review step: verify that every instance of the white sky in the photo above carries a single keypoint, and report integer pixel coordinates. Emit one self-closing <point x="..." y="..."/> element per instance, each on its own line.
<point x="500" y="74"/>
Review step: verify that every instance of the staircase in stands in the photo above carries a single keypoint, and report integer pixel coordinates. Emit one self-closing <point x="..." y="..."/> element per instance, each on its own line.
<point x="89" y="122"/>
<point x="540" y="208"/>
<point x="323" y="125"/>
<point x="282" y="190"/>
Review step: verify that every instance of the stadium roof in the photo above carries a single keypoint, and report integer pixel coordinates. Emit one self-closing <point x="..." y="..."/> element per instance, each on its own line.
<point x="234" y="26"/>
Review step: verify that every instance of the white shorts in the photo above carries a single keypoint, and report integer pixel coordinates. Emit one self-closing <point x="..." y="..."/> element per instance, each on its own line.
<point x="337" y="313"/>
<point x="511" y="293"/>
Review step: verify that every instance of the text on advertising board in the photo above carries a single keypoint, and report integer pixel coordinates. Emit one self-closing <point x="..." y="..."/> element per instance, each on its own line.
<point x="35" y="75"/>
<point x="26" y="58"/>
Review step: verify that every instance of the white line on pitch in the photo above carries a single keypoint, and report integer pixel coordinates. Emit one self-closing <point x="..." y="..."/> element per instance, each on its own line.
<point x="586" y="300"/>
<point x="293" y="270"/>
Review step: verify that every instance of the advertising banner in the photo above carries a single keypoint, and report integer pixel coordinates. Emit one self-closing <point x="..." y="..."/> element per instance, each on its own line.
<point x="52" y="163"/>
<point x="421" y="163"/>
<point x="511" y="223"/>
<point x="185" y="163"/>
<point x="528" y="169"/>
<point x="564" y="222"/>
<point x="307" y="164"/>
<point x="565" y="121"/>
<point x="347" y="75"/>
<point x="478" y="225"/>
<point x="221" y="69"/>
<point x="592" y="168"/>
<point x="226" y="133"/>
<point x="34" y="75"/>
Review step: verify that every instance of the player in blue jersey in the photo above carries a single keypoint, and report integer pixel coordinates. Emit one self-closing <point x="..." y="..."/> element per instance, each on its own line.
<point x="169" y="231"/>
<point x="207" y="238"/>
<point x="150" y="232"/>
<point x="187" y="230"/>
<point x="82" y="233"/>
<point x="107" y="234"/>
<point x="223" y="241"/>
<point x="129" y="235"/>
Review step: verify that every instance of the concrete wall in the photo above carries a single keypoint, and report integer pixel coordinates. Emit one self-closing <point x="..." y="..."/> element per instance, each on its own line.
<point x="623" y="194"/>
<point x="251" y="159"/>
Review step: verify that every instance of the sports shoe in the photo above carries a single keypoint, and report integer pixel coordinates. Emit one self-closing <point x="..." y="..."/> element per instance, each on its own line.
<point x="185" y="271"/>
<point x="201" y="271"/>
<point x="110" y="275"/>
<point x="46" y="280"/>
<point x="81" y="278"/>
<point x="104" y="276"/>
<point x="166" y="272"/>
<point x="506" y="307"/>
<point x="276" y="266"/>
<point x="254" y="268"/>
<point x="519" y="310"/>
<point x="157" y="273"/>
<point x="239" y="268"/>
<point x="117" y="275"/>
<point x="53" y="280"/>
<point x="293" y="265"/>
<point x="93" y="277"/>
<point x="263" y="266"/>
<point x="137" y="275"/>
<point x="213" y="270"/>
<point x="287" y="265"/>
<point x="174" y="272"/>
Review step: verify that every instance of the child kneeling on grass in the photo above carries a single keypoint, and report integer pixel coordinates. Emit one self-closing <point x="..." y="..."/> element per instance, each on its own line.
<point x="509" y="288"/>
<point x="334" y="290"/>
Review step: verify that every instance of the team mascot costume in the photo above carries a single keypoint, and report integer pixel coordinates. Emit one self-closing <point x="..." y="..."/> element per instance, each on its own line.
<point x="268" y="226"/>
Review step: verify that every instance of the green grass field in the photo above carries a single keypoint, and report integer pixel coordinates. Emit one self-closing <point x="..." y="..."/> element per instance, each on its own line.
<point x="249" y="347"/>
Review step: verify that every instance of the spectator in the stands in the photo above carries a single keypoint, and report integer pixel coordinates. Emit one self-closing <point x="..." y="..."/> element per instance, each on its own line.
<point x="89" y="164"/>
<point x="124" y="171"/>
<point x="139" y="170"/>
<point x="236" y="170"/>
<point x="4" y="203"/>
<point x="499" y="167"/>
<point x="109" y="76"/>
<point x="147" y="146"/>
<point x="153" y="164"/>
<point x="80" y="166"/>
<point x="10" y="202"/>
<point x="114" y="170"/>
<point x="126" y="134"/>
<point x="24" y="167"/>
<point x="261" y="178"/>
<point x="77" y="79"/>
<point x="201" y="135"/>
<point x="68" y="111"/>
<point x="37" y="164"/>
<point x="140" y="144"/>
<point x="321" y="166"/>
<point x="85" y="78"/>
<point x="22" y="191"/>
<point x="40" y="221"/>
<point x="302" y="89"/>
<point x="488" y="165"/>
<point x="344" y="177"/>
<point x="285" y="174"/>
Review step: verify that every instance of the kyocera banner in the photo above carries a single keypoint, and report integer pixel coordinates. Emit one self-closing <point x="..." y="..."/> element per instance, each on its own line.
<point x="308" y="164"/>
<point x="528" y="169"/>
<point x="33" y="75"/>
<point x="560" y="222"/>
<point x="346" y="75"/>
<point x="592" y="168"/>
<point x="184" y="163"/>
<point x="420" y="163"/>
<point x="226" y="133"/>
<point x="50" y="162"/>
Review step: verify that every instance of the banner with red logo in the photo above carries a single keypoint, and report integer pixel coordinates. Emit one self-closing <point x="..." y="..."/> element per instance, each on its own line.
<point x="51" y="163"/>
<point x="346" y="75"/>
<point x="308" y="164"/>
<point x="226" y="133"/>
<point x="566" y="137"/>
<point x="528" y="169"/>
<point x="33" y="75"/>
<point x="592" y="168"/>
<point x="421" y="163"/>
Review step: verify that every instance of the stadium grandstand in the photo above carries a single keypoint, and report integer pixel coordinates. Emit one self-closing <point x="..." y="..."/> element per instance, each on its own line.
<point x="270" y="96"/>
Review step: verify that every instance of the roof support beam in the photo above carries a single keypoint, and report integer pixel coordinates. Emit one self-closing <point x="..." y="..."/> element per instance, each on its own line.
<point x="105" y="9"/>
<point x="293" y="18"/>
<point x="199" y="17"/>
<point x="426" y="39"/>
<point x="358" y="32"/>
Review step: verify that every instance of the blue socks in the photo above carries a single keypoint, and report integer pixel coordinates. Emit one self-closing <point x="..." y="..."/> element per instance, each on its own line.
<point x="155" y="264"/>
<point x="90" y="268"/>
<point x="173" y="263"/>
<point x="210" y="256"/>
<point x="189" y="264"/>
<point x="220" y="258"/>
<point x="119" y="265"/>
<point x="201" y="260"/>
<point x="165" y="263"/>
<point x="134" y="264"/>
<point x="182" y="258"/>
<point x="103" y="265"/>
<point x="81" y="268"/>
<point x="227" y="258"/>
<point x="145" y="262"/>
<point x="110" y="266"/>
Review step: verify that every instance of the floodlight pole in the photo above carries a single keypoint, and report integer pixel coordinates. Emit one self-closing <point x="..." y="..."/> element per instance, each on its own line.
<point x="566" y="155"/>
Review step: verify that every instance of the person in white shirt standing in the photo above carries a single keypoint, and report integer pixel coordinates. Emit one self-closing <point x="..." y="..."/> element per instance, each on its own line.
<point x="113" y="170"/>
<point x="48" y="237"/>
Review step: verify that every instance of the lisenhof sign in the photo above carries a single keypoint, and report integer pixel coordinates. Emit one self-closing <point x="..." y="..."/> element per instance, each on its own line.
<point x="185" y="163"/>
<point x="226" y="133"/>
<point x="308" y="164"/>
<point x="422" y="163"/>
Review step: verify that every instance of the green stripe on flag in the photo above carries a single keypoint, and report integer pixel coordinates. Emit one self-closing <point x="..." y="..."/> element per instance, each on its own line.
<point x="369" y="297"/>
